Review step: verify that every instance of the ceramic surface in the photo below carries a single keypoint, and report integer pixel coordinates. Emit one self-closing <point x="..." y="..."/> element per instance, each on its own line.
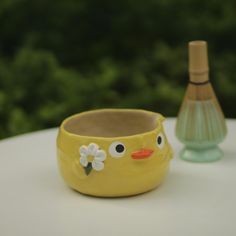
<point x="98" y="163"/>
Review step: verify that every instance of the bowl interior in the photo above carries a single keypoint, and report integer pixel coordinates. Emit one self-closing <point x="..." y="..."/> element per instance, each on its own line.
<point x="111" y="123"/>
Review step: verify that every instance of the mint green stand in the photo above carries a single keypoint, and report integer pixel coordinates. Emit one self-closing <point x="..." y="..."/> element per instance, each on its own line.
<point x="201" y="155"/>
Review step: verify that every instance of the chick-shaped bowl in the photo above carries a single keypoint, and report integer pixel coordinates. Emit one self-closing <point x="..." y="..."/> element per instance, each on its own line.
<point x="113" y="152"/>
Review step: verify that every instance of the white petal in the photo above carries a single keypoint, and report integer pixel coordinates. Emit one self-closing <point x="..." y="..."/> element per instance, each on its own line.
<point x="92" y="149"/>
<point x="83" y="161"/>
<point x="83" y="150"/>
<point x="100" y="155"/>
<point x="97" y="165"/>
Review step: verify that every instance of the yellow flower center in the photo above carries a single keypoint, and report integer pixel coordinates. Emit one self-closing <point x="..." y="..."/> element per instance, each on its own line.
<point x="90" y="158"/>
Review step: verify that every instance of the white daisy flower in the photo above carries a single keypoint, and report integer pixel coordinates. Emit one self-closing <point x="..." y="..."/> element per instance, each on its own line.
<point x="92" y="154"/>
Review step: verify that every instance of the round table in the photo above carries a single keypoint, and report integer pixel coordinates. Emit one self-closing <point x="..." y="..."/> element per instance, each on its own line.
<point x="195" y="199"/>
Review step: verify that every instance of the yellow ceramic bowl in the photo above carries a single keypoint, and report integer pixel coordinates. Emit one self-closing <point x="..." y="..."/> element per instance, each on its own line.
<point x="113" y="152"/>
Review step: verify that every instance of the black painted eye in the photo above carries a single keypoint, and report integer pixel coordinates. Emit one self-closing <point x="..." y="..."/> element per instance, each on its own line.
<point x="160" y="140"/>
<point x="120" y="148"/>
<point x="117" y="149"/>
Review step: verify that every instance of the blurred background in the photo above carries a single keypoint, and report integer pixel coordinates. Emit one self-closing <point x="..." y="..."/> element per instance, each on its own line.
<point x="61" y="57"/>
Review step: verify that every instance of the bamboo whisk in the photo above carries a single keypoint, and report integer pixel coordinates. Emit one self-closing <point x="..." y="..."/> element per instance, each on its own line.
<point x="200" y="123"/>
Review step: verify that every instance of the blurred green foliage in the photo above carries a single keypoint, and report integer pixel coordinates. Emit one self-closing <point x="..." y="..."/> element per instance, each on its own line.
<point x="59" y="58"/>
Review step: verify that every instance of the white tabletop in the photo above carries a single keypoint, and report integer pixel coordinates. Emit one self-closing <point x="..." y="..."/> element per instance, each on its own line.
<point x="196" y="199"/>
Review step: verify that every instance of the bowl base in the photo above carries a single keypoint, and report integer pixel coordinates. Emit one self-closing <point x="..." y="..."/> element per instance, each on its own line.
<point x="204" y="155"/>
<point x="116" y="195"/>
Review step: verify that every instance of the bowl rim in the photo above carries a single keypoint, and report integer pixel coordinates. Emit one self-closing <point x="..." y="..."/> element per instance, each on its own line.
<point x="159" y="119"/>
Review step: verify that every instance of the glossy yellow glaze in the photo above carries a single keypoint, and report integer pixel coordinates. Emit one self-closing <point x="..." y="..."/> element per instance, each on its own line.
<point x="121" y="176"/>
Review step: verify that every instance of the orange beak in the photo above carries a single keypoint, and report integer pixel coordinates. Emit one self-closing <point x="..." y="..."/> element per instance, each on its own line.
<point x="142" y="154"/>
